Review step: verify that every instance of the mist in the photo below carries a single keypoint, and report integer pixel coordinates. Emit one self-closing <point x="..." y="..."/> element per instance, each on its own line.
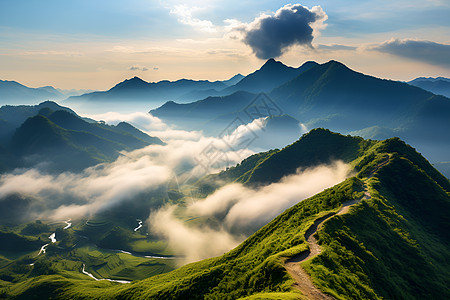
<point x="241" y="211"/>
<point x="74" y="195"/>
<point x="233" y="212"/>
<point x="190" y="243"/>
<point x="144" y="172"/>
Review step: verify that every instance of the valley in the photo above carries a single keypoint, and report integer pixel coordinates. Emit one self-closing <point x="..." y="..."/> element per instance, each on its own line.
<point x="224" y="150"/>
<point x="234" y="191"/>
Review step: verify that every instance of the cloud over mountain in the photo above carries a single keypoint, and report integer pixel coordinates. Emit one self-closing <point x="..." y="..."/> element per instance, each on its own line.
<point x="133" y="173"/>
<point x="243" y="209"/>
<point x="293" y="24"/>
<point x="425" y="51"/>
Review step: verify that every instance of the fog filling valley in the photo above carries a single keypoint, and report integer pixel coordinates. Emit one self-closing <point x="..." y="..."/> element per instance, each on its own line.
<point x="240" y="210"/>
<point x="245" y="210"/>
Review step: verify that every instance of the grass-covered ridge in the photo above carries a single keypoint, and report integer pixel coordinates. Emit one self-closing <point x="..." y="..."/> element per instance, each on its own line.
<point x="319" y="146"/>
<point x="394" y="245"/>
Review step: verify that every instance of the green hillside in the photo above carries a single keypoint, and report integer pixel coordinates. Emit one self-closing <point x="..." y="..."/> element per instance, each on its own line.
<point x="46" y="141"/>
<point x="51" y="136"/>
<point x="319" y="146"/>
<point x="383" y="234"/>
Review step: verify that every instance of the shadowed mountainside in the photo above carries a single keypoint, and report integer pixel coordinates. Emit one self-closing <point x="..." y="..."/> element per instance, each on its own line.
<point x="47" y="134"/>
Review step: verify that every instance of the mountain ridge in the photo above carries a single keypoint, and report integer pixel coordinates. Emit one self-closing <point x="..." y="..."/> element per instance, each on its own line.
<point x="331" y="95"/>
<point x="137" y="89"/>
<point x="438" y="85"/>
<point x="272" y="74"/>
<point x="47" y="132"/>
<point x="384" y="246"/>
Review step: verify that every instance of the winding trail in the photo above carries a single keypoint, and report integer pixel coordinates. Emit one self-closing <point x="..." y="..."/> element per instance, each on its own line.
<point x="302" y="279"/>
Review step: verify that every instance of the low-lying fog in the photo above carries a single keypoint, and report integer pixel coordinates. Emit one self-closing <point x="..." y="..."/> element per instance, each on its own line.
<point x="187" y="154"/>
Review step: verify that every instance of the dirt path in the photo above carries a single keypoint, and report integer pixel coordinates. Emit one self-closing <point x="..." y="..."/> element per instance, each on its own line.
<point x="302" y="280"/>
<point x="381" y="164"/>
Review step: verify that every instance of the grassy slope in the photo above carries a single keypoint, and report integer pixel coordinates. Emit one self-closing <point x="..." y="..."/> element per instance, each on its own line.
<point x="319" y="146"/>
<point x="391" y="246"/>
<point x="19" y="247"/>
<point x="253" y="267"/>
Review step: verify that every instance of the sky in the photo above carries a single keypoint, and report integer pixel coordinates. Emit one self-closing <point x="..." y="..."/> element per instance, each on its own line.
<point x="85" y="44"/>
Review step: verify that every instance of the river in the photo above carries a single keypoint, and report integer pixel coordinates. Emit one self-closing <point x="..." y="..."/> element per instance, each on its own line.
<point x="98" y="279"/>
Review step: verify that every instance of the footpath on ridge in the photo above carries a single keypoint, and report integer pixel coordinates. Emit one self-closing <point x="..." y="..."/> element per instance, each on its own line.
<point x="302" y="279"/>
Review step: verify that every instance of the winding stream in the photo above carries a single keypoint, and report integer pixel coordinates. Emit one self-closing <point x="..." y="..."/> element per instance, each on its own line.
<point x="52" y="238"/>
<point x="68" y="224"/>
<point x="139" y="226"/>
<point x="98" y="279"/>
<point x="146" y="256"/>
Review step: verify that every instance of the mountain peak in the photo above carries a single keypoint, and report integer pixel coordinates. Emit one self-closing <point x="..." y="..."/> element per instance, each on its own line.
<point x="134" y="82"/>
<point x="309" y="63"/>
<point x="272" y="63"/>
<point x="136" y="79"/>
<point x="335" y="63"/>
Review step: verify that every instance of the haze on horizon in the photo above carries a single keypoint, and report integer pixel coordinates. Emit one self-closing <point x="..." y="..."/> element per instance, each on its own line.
<point x="95" y="44"/>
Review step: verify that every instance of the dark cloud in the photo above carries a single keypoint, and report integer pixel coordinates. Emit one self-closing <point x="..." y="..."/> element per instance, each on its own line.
<point x="293" y="24"/>
<point x="425" y="51"/>
<point x="138" y="68"/>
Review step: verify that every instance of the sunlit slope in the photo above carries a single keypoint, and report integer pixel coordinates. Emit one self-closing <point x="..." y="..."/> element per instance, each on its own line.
<point x="319" y="146"/>
<point x="393" y="245"/>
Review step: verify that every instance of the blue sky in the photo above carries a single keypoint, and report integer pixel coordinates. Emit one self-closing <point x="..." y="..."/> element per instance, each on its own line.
<point x="95" y="44"/>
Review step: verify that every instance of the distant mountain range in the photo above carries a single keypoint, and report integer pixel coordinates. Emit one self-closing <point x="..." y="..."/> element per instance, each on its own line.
<point x="270" y="75"/>
<point x="438" y="85"/>
<point x="48" y="134"/>
<point x="328" y="95"/>
<point x="136" y="89"/>
<point x="12" y="92"/>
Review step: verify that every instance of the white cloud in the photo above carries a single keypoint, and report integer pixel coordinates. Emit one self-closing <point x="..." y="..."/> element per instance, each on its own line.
<point x="141" y="120"/>
<point x="72" y="195"/>
<point x="243" y="210"/>
<point x="185" y="16"/>
<point x="246" y="207"/>
<point x="91" y="190"/>
<point x="191" y="243"/>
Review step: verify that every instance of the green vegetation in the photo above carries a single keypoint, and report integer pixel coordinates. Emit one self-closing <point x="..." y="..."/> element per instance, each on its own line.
<point x="319" y="146"/>
<point x="11" y="241"/>
<point x="253" y="267"/>
<point x="66" y="257"/>
<point x="391" y="246"/>
<point x="51" y="133"/>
